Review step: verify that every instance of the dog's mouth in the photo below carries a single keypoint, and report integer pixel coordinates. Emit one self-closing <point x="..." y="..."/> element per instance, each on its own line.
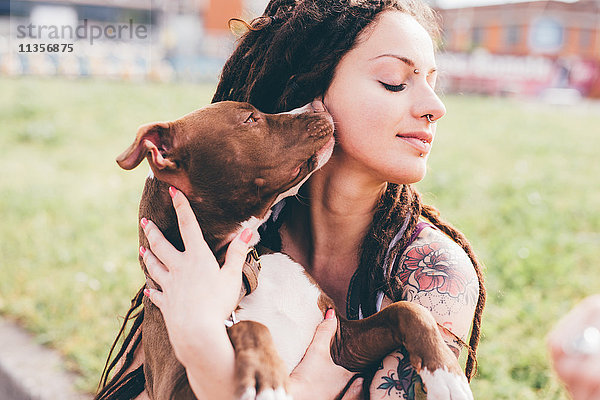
<point x="315" y="162"/>
<point x="306" y="169"/>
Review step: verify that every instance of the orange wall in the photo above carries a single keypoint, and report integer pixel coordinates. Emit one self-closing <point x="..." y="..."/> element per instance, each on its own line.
<point x="493" y="38"/>
<point x="593" y="50"/>
<point x="571" y="45"/>
<point x="219" y="12"/>
<point x="522" y="46"/>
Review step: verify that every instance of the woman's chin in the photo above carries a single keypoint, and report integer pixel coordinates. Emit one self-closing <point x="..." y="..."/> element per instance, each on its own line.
<point x="413" y="173"/>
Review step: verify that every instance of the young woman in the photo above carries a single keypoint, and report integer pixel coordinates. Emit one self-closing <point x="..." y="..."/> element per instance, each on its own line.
<point x="358" y="226"/>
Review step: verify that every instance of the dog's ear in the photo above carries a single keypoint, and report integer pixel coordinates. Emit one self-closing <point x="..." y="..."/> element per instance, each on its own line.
<point x="155" y="139"/>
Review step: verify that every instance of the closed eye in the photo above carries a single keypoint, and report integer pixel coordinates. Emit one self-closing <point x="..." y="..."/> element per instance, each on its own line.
<point x="394" y="88"/>
<point x="250" y="119"/>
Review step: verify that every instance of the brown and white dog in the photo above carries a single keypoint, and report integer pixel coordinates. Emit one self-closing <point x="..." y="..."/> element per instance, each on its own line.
<point x="234" y="163"/>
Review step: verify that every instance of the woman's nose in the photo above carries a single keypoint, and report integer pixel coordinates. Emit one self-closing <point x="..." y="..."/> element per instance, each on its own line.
<point x="429" y="106"/>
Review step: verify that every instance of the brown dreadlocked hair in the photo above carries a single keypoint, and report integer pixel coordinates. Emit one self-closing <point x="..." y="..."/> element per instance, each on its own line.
<point x="286" y="59"/>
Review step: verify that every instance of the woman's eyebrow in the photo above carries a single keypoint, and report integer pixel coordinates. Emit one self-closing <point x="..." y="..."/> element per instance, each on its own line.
<point x="405" y="60"/>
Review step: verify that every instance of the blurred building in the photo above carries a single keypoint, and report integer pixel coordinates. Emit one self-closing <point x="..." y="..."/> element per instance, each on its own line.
<point x="532" y="48"/>
<point x="183" y="39"/>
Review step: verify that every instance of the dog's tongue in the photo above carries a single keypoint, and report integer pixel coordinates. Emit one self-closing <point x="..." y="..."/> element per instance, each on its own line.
<point x="318" y="106"/>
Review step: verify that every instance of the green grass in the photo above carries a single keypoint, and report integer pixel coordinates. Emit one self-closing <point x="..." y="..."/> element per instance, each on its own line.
<point x="520" y="180"/>
<point x="68" y="213"/>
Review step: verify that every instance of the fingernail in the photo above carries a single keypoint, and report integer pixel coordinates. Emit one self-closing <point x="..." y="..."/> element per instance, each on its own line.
<point x="144" y="222"/>
<point x="147" y="292"/>
<point x="142" y="251"/>
<point x="246" y="235"/>
<point x="172" y="191"/>
<point x="330" y="314"/>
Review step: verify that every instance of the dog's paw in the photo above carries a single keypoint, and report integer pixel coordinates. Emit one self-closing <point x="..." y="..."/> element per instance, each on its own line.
<point x="261" y="375"/>
<point x="267" y="394"/>
<point x="442" y="384"/>
<point x="261" y="380"/>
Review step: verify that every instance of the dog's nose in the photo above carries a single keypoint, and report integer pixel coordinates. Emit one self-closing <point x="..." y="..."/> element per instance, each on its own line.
<point x="318" y="106"/>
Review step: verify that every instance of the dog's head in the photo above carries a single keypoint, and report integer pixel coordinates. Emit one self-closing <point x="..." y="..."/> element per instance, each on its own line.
<point x="233" y="157"/>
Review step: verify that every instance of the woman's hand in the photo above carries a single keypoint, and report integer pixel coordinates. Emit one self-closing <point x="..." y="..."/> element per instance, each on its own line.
<point x="574" y="346"/>
<point x="317" y="376"/>
<point x="197" y="296"/>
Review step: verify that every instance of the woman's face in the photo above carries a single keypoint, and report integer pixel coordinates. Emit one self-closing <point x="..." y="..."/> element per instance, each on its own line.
<point x="380" y="96"/>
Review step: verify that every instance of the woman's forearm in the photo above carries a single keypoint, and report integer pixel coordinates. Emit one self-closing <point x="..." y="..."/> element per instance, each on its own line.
<point x="197" y="295"/>
<point x="210" y="367"/>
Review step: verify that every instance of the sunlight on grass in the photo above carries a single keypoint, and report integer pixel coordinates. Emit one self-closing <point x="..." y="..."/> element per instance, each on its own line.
<point x="519" y="179"/>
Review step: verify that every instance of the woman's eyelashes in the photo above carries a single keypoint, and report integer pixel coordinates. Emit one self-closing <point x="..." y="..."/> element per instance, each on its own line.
<point x="394" y="88"/>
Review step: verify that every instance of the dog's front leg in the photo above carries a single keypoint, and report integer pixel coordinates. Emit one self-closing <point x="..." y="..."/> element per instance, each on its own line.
<point x="166" y="378"/>
<point x="258" y="366"/>
<point x="359" y="344"/>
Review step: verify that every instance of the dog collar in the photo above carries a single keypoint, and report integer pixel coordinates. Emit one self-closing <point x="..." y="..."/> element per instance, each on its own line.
<point x="250" y="272"/>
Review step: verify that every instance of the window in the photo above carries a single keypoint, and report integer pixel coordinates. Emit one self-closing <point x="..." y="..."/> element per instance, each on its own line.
<point x="512" y="35"/>
<point x="477" y="36"/>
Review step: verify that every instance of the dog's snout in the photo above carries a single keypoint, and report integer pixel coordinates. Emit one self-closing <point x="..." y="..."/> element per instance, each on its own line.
<point x="318" y="128"/>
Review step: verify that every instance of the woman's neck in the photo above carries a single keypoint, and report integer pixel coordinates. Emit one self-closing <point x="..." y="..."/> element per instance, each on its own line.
<point x="341" y="211"/>
<point x="328" y="228"/>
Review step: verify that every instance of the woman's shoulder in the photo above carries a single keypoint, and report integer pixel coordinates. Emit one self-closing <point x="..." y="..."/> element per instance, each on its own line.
<point x="435" y="262"/>
<point x="437" y="273"/>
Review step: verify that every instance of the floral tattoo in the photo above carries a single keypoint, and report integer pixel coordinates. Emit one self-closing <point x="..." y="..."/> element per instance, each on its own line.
<point x="403" y="381"/>
<point x="431" y="267"/>
<point x="437" y="274"/>
<point x="431" y="274"/>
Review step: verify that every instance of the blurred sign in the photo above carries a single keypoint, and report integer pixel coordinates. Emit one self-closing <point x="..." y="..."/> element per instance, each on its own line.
<point x="485" y="73"/>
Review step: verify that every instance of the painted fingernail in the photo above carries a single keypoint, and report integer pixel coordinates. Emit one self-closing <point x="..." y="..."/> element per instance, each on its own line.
<point x="144" y="222"/>
<point x="172" y="191"/>
<point x="147" y="292"/>
<point x="246" y="235"/>
<point x="142" y="251"/>
<point x="330" y="314"/>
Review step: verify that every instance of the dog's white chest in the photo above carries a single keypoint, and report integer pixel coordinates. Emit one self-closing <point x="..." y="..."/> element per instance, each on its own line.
<point x="286" y="302"/>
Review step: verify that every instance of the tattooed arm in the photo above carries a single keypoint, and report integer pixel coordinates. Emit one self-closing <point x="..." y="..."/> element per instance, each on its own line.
<point x="437" y="274"/>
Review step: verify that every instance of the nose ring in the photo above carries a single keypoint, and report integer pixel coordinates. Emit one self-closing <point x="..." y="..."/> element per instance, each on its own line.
<point x="429" y="118"/>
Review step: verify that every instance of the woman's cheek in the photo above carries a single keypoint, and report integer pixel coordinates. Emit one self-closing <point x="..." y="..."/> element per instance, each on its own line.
<point x="363" y="120"/>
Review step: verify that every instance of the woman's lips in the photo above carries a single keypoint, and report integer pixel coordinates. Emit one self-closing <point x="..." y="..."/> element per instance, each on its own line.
<point x="420" y="142"/>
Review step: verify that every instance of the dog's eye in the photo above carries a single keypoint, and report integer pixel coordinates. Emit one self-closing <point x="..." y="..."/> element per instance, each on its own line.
<point x="250" y="119"/>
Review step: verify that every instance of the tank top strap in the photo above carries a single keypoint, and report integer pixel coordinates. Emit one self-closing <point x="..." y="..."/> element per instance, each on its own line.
<point x="395" y="263"/>
<point x="418" y="229"/>
<point x="420" y="226"/>
<point x="353" y="307"/>
<point x="269" y="230"/>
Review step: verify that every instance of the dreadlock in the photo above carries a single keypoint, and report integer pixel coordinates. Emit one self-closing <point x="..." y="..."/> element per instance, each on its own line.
<point x="286" y="59"/>
<point x="131" y="385"/>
